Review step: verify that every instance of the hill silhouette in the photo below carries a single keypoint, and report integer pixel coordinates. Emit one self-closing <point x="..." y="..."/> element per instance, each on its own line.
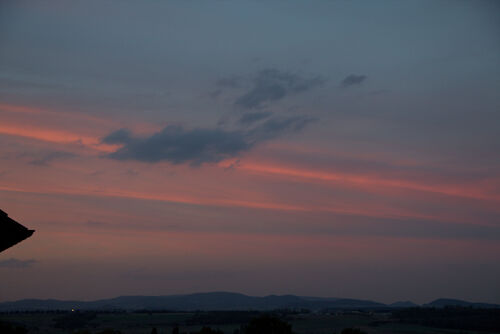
<point x="196" y="301"/>
<point x="444" y="302"/>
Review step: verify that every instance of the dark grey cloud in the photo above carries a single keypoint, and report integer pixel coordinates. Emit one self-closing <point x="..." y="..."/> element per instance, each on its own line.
<point x="122" y="136"/>
<point x="15" y="263"/>
<point x="178" y="145"/>
<point x="271" y="85"/>
<point x="353" y="80"/>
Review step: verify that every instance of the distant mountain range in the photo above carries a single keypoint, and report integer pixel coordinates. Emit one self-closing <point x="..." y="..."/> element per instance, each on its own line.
<point x="443" y="302"/>
<point x="222" y="301"/>
<point x="403" y="304"/>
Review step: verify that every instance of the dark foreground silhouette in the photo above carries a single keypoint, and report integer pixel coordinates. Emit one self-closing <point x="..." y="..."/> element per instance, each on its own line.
<point x="11" y="232"/>
<point x="265" y="324"/>
<point x="449" y="320"/>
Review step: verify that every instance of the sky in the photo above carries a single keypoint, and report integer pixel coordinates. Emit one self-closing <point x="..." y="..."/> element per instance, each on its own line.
<point x="328" y="148"/>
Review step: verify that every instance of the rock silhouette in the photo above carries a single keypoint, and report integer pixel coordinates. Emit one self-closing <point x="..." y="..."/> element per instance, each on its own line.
<point x="11" y="232"/>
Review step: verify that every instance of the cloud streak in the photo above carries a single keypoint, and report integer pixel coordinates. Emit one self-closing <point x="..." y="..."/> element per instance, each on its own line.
<point x="352" y="80"/>
<point x="372" y="181"/>
<point x="252" y="117"/>
<point x="15" y="263"/>
<point x="271" y="85"/>
<point x="53" y="136"/>
<point x="47" y="159"/>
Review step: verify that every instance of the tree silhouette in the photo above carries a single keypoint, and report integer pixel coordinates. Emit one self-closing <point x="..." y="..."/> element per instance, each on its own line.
<point x="267" y="325"/>
<point x="352" y="331"/>
<point x="7" y="328"/>
<point x="208" y="330"/>
<point x="109" y="331"/>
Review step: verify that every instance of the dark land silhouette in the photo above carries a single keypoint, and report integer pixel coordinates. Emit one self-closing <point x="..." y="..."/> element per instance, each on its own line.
<point x="420" y="320"/>
<point x="223" y="301"/>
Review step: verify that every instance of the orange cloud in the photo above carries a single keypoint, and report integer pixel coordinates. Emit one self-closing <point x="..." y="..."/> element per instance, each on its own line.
<point x="360" y="210"/>
<point x="35" y="111"/>
<point x="366" y="181"/>
<point x="55" y="136"/>
<point x="76" y="117"/>
<point x="62" y="127"/>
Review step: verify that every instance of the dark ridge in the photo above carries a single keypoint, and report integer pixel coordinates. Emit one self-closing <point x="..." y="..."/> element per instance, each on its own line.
<point x="403" y="304"/>
<point x="211" y="301"/>
<point x="226" y="301"/>
<point x="447" y="302"/>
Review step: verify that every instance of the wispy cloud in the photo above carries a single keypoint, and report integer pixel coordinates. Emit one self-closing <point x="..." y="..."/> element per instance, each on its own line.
<point x="229" y="82"/>
<point x="272" y="85"/>
<point x="252" y="117"/>
<point x="53" y="136"/>
<point x="16" y="263"/>
<point x="46" y="159"/>
<point x="353" y="80"/>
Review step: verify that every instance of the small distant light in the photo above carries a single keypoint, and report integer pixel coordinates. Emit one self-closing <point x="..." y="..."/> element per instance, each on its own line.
<point x="72" y="310"/>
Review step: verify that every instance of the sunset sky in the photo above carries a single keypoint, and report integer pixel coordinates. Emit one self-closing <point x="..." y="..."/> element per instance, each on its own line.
<point x="327" y="148"/>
